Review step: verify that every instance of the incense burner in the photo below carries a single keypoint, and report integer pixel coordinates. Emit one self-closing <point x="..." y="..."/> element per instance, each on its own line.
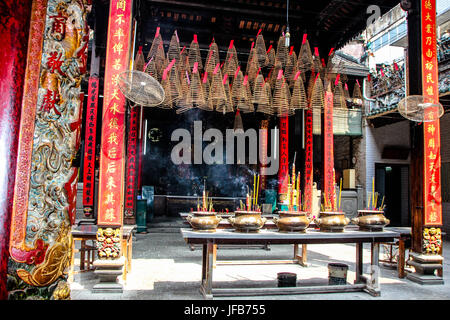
<point x="247" y="221"/>
<point x="331" y="221"/>
<point x="371" y="220"/>
<point x="203" y="221"/>
<point x="292" y="221"/>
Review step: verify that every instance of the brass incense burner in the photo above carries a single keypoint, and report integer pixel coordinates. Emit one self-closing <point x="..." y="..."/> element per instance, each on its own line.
<point x="247" y="221"/>
<point x="203" y="221"/>
<point x="371" y="220"/>
<point x="332" y="221"/>
<point x="292" y="221"/>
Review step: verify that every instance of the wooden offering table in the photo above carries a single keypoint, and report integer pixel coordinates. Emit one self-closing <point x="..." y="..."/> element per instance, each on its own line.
<point x="230" y="237"/>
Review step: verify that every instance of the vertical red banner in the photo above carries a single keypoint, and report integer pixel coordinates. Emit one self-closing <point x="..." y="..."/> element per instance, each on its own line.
<point x="432" y="144"/>
<point x="264" y="140"/>
<point x="328" y="152"/>
<point x="112" y="155"/>
<point x="283" y="171"/>
<point x="308" y="188"/>
<point x="89" y="143"/>
<point x="132" y="149"/>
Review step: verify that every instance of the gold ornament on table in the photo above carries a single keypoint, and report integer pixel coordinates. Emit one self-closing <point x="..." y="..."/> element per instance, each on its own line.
<point x="247" y="218"/>
<point x="108" y="243"/>
<point x="432" y="240"/>
<point x="372" y="218"/>
<point x="205" y="218"/>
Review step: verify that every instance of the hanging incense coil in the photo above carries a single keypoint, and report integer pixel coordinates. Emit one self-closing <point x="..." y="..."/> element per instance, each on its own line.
<point x="260" y="48"/>
<point x="346" y="92"/>
<point x="259" y="94"/>
<point x="174" y="49"/>
<point x="231" y="61"/>
<point x="298" y="98"/>
<point x="282" y="52"/>
<point x="248" y="107"/>
<point x="304" y="59"/>
<point x="227" y="106"/>
<point x="357" y="95"/>
<point x="152" y="71"/>
<point x="280" y="100"/>
<point x="217" y="94"/>
<point x="196" y="96"/>
<point x="338" y="96"/>
<point x="317" y="64"/>
<point x="157" y="53"/>
<point x="205" y="86"/>
<point x="252" y="66"/>
<point x="237" y="93"/>
<point x="291" y="68"/>
<point x="183" y="103"/>
<point x="317" y="95"/>
<point x="194" y="54"/>
<point x="139" y="60"/>
<point x="288" y="97"/>
<point x="274" y="73"/>
<point x="238" y="121"/>
<point x="213" y="58"/>
<point x="270" y="57"/>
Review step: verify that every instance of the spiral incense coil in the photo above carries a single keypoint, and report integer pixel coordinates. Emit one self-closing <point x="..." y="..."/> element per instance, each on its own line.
<point x="253" y="66"/>
<point x="217" y="94"/>
<point x="174" y="49"/>
<point x="268" y="89"/>
<point x="338" y="96"/>
<point x="249" y="107"/>
<point x="357" y="92"/>
<point x="317" y="95"/>
<point x="304" y="58"/>
<point x="196" y="96"/>
<point x="280" y="100"/>
<point x="291" y="68"/>
<point x="212" y="59"/>
<point x="260" y="48"/>
<point x="346" y="92"/>
<point x="298" y="98"/>
<point x="270" y="57"/>
<point x="237" y="92"/>
<point x="317" y="64"/>
<point x="231" y="61"/>
<point x="139" y="61"/>
<point x="259" y="94"/>
<point x="226" y="106"/>
<point x="183" y="103"/>
<point x="205" y="86"/>
<point x="194" y="54"/>
<point x="310" y="87"/>
<point x="282" y="51"/>
<point x="157" y="53"/>
<point x="150" y="69"/>
<point x="274" y="73"/>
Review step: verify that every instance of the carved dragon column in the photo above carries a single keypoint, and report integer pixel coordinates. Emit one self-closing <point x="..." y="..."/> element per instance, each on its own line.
<point x="43" y="207"/>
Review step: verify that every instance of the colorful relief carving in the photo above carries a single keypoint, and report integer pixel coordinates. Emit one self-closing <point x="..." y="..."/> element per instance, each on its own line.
<point x="40" y="238"/>
<point x="108" y="243"/>
<point x="432" y="240"/>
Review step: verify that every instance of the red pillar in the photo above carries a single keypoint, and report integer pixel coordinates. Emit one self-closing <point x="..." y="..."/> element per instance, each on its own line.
<point x="14" y="28"/>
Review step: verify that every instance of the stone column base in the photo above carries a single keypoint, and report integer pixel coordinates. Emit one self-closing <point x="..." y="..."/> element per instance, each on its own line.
<point x="426" y="267"/>
<point x="108" y="272"/>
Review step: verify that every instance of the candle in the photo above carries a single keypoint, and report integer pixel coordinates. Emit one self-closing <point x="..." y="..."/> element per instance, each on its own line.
<point x="257" y="192"/>
<point x="373" y="192"/>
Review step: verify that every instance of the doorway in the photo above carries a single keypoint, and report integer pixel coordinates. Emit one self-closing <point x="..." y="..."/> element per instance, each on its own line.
<point x="392" y="183"/>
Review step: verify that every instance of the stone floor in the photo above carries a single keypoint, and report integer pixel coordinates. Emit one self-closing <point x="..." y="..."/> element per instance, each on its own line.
<point x="165" y="268"/>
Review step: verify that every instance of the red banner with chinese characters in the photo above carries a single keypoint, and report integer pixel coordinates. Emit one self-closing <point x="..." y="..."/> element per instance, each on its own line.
<point x="263" y="135"/>
<point x="89" y="143"/>
<point x="432" y="142"/>
<point x="112" y="155"/>
<point x="283" y="171"/>
<point x="308" y="188"/>
<point x="328" y="152"/>
<point x="132" y="169"/>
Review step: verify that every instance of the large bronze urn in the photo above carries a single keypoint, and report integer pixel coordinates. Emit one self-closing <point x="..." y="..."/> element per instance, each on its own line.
<point x="203" y="221"/>
<point x="291" y="221"/>
<point x="332" y="221"/>
<point x="247" y="221"/>
<point x="371" y="220"/>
